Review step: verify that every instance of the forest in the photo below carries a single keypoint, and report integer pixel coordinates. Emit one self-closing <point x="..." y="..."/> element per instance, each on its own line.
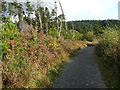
<point x="96" y="26"/>
<point x="33" y="49"/>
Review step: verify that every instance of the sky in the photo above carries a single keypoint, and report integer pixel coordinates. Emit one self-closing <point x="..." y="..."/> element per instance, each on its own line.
<point x="87" y="9"/>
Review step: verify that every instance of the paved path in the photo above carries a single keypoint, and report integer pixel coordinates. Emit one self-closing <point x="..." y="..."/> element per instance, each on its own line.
<point x="81" y="72"/>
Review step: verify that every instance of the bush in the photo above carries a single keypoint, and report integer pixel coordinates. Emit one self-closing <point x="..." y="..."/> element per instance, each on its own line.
<point x="108" y="46"/>
<point x="76" y="35"/>
<point x="73" y="34"/>
<point x="9" y="38"/>
<point x="9" y="31"/>
<point x="54" y="32"/>
<point x="67" y="34"/>
<point x="89" y="36"/>
<point x="108" y="52"/>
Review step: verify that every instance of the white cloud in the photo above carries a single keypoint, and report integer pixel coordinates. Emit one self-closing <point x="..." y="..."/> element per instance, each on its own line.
<point x="93" y="7"/>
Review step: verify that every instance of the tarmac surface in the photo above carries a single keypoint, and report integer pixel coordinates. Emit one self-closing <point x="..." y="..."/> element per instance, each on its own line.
<point x="81" y="72"/>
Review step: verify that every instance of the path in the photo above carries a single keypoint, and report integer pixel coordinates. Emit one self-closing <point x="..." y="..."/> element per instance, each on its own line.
<point x="81" y="72"/>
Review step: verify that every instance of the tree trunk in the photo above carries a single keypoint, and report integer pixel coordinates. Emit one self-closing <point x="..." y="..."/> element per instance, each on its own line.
<point x="46" y="24"/>
<point x="60" y="28"/>
<point x="63" y="14"/>
<point x="20" y="21"/>
<point x="30" y="21"/>
<point x="40" y="20"/>
<point x="39" y="13"/>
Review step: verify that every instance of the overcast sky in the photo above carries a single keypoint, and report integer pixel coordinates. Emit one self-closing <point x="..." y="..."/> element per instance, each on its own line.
<point x="88" y="9"/>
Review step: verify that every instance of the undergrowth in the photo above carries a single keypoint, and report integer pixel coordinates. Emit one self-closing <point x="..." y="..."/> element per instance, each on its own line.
<point x="33" y="60"/>
<point x="108" y="55"/>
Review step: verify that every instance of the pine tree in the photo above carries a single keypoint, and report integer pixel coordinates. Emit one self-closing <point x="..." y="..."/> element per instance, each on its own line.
<point x="29" y="9"/>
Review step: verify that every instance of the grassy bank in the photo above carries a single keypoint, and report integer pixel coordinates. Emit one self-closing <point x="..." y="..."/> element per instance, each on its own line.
<point x="109" y="72"/>
<point x="35" y="61"/>
<point x="107" y="54"/>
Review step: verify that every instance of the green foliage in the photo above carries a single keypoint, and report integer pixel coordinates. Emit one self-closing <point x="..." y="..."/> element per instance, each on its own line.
<point x="108" y="50"/>
<point x="54" y="32"/>
<point x="109" y="46"/>
<point x="73" y="35"/>
<point x="9" y="31"/>
<point x="76" y="35"/>
<point x="97" y="26"/>
<point x="109" y="72"/>
<point x="108" y="42"/>
<point x="67" y="34"/>
<point x="89" y="36"/>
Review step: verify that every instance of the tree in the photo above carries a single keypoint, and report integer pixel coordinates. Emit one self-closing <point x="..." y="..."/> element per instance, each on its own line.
<point x="47" y="18"/>
<point x="11" y="10"/>
<point x="38" y="16"/>
<point x="3" y="11"/>
<point x="29" y="9"/>
<point x="63" y="14"/>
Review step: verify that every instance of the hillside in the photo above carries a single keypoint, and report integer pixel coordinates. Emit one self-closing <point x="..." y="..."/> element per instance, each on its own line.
<point x="97" y="26"/>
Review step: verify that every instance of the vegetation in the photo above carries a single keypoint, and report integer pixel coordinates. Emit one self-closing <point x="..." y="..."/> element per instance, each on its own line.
<point x="107" y="50"/>
<point x="35" y="49"/>
<point x="29" y="62"/>
<point x="97" y="26"/>
<point x="108" y="53"/>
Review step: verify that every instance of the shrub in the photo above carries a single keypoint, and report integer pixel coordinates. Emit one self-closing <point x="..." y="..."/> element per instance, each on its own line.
<point x="73" y="34"/>
<point x="67" y="34"/>
<point x="9" y="38"/>
<point x="76" y="35"/>
<point x="108" y="52"/>
<point x="9" y="31"/>
<point x="108" y="45"/>
<point x="54" y="32"/>
<point x="89" y="36"/>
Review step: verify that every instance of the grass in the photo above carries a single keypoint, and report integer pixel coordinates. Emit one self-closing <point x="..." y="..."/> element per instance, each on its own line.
<point x="109" y="72"/>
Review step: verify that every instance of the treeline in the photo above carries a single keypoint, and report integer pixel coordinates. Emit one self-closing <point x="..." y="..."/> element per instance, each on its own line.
<point x="93" y="25"/>
<point x="44" y="17"/>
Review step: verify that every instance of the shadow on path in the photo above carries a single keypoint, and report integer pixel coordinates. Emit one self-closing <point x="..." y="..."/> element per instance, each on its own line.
<point x="81" y="72"/>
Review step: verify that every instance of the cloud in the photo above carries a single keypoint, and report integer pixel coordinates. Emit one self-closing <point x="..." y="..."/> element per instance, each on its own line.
<point x="95" y="8"/>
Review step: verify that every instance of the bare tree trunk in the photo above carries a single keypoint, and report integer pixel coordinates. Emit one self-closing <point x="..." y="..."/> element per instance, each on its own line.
<point x="62" y="13"/>
<point x="46" y="24"/>
<point x="60" y="28"/>
<point x="30" y="20"/>
<point x="56" y="15"/>
<point x="40" y="20"/>
<point x="20" y="16"/>
<point x="73" y="35"/>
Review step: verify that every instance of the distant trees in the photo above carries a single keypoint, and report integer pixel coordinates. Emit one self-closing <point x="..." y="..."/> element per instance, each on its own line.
<point x="97" y="26"/>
